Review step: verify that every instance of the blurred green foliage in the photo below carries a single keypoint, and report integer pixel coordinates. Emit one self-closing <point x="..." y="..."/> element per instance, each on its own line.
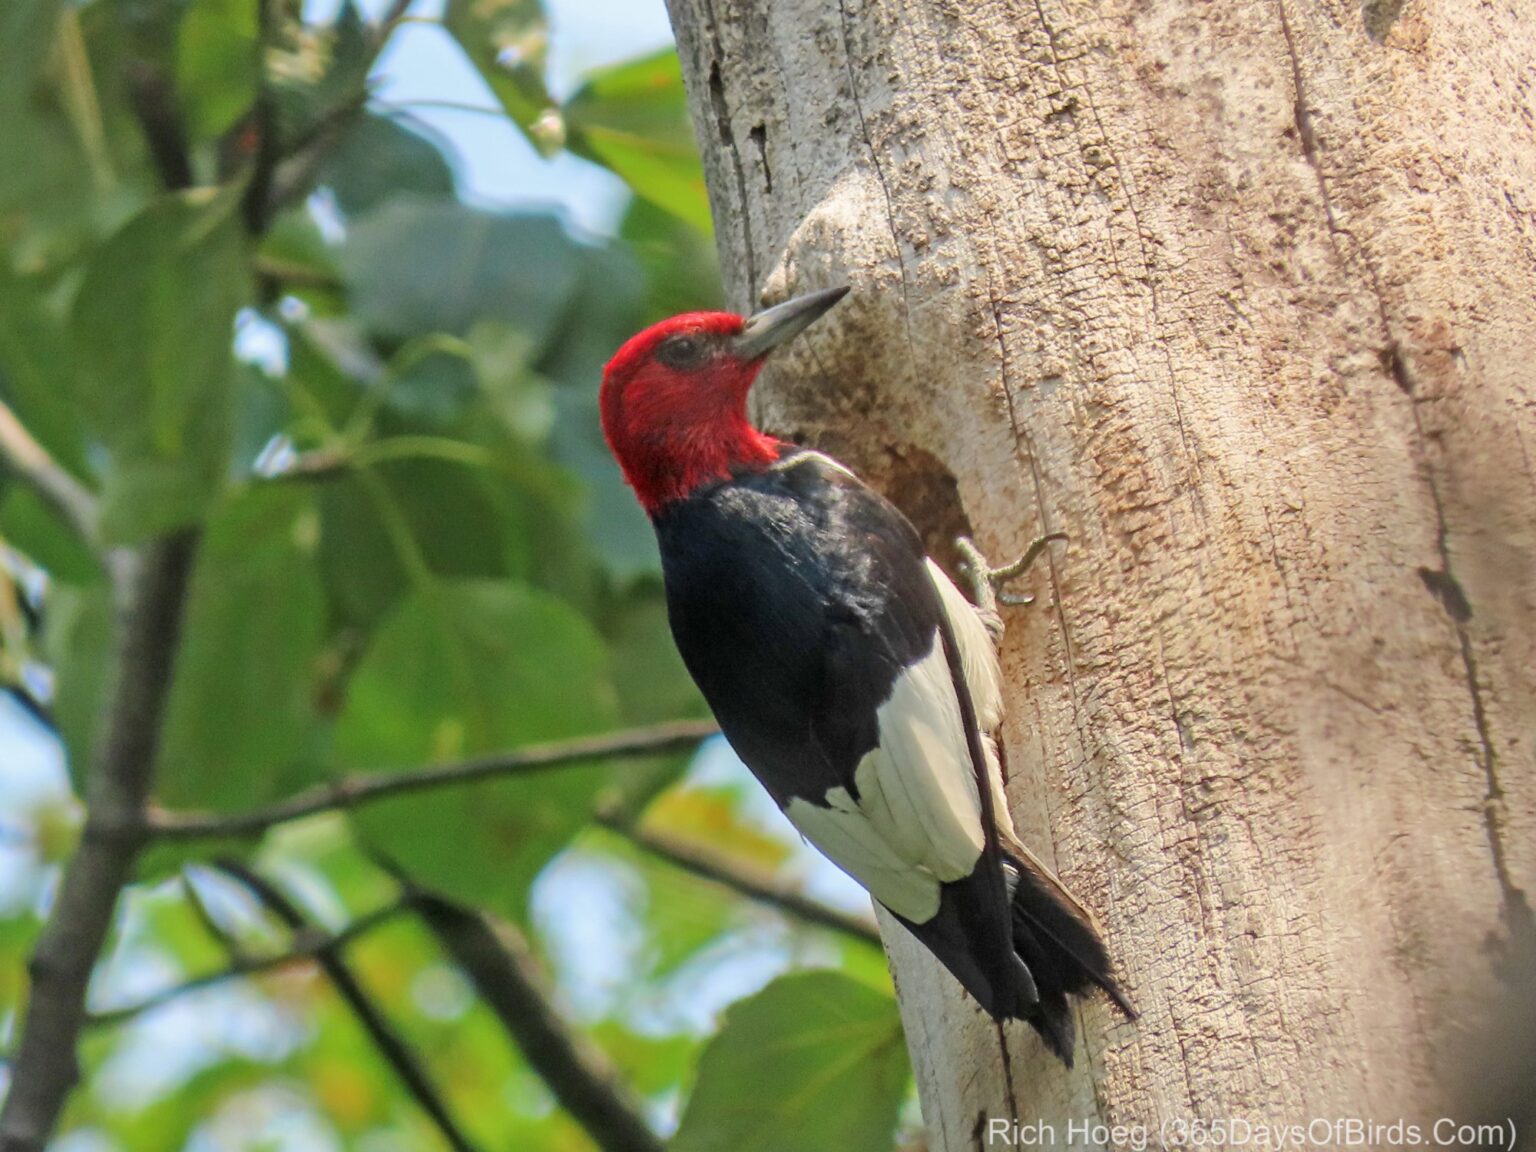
<point x="240" y="294"/>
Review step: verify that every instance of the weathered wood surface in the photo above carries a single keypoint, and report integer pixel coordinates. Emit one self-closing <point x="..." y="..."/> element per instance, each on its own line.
<point x="1243" y="297"/>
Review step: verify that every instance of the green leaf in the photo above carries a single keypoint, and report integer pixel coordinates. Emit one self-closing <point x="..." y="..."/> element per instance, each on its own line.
<point x="431" y="381"/>
<point x="507" y="40"/>
<point x="295" y="252"/>
<point x="37" y="531"/>
<point x="216" y="63"/>
<point x="605" y="310"/>
<point x="363" y="574"/>
<point x="465" y="265"/>
<point x="27" y="29"/>
<point x="18" y="936"/>
<point x="315" y="71"/>
<point x="241" y="707"/>
<point x="72" y="163"/>
<point x="684" y="916"/>
<point x="653" y="686"/>
<point x="37" y="370"/>
<point x="42" y="166"/>
<point x="813" y="1063"/>
<point x="633" y="120"/>
<point x="464" y="669"/>
<point x="261" y="413"/>
<point x="653" y="683"/>
<point x="682" y="269"/>
<point x="77" y="640"/>
<point x="153" y="327"/>
<point x="462" y="522"/>
<point x="329" y="362"/>
<point x="379" y="158"/>
<point x="146" y="498"/>
<point x="517" y="396"/>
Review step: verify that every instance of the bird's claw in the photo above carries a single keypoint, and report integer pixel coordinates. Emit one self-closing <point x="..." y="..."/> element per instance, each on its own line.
<point x="987" y="583"/>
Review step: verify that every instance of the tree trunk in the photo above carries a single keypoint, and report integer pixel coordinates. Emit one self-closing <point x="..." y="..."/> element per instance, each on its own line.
<point x="1243" y="297"/>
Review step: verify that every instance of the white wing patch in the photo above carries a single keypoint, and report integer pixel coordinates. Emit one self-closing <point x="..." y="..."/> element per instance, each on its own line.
<point x="978" y="659"/>
<point x="917" y="822"/>
<point x="977" y="656"/>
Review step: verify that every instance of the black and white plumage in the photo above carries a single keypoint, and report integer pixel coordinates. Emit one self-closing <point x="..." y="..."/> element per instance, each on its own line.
<point x="847" y="671"/>
<point x="861" y="687"/>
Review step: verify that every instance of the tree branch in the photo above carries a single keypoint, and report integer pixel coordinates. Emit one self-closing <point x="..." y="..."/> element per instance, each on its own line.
<point x="363" y="788"/>
<point x="498" y="962"/>
<point x="311" y="945"/>
<point x="256" y="207"/>
<point x="280" y="184"/>
<point x="392" y="19"/>
<point x="151" y="591"/>
<point x="157" y="107"/>
<point x="151" y="585"/>
<point x="291" y="180"/>
<point x="391" y="1045"/>
<point x="44" y="475"/>
<point x="728" y="874"/>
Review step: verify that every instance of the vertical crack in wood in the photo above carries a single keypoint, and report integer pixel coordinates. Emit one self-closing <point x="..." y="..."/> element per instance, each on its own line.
<point x="1021" y="435"/>
<point x="885" y="188"/>
<point x="721" y="111"/>
<point x="1515" y="908"/>
<point x="1197" y="881"/>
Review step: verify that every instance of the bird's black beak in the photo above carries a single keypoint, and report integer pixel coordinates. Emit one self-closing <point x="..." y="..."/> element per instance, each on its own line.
<point x="767" y="330"/>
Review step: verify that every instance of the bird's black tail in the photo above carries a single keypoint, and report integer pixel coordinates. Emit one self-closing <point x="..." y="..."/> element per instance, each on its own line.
<point x="1059" y="945"/>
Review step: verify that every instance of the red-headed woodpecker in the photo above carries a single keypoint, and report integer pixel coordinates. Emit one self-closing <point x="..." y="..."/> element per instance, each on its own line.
<point x="846" y="670"/>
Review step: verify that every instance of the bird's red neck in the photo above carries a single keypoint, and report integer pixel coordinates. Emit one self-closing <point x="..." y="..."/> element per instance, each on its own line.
<point x="665" y="471"/>
<point x="674" y="430"/>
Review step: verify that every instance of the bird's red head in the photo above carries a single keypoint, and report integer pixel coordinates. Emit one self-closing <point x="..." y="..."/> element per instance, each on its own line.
<point x="674" y="398"/>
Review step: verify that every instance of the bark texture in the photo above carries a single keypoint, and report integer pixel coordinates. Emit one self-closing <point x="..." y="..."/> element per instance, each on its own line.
<point x="1243" y="297"/>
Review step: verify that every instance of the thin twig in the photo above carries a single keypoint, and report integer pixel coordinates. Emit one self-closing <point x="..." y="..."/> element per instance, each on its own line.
<point x="33" y="707"/>
<point x="391" y="1045"/>
<point x="406" y="106"/>
<point x="362" y="788"/>
<point x="728" y="874"/>
<point x="30" y="461"/>
<point x="293" y="178"/>
<point x="500" y="965"/>
<point x="391" y="20"/>
<point x="157" y="107"/>
<point x="256" y="206"/>
<point x="209" y="922"/>
<point x="151" y="589"/>
<point x="309" y="946"/>
<point x="285" y="183"/>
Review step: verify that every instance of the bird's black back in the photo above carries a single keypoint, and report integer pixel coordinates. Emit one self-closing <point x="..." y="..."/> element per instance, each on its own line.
<point x="796" y="596"/>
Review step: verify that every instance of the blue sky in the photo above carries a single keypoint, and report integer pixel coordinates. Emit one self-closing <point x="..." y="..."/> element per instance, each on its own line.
<point x="497" y="166"/>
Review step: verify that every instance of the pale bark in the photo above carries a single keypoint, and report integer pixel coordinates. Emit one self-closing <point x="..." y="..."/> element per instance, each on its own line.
<point x="1243" y="297"/>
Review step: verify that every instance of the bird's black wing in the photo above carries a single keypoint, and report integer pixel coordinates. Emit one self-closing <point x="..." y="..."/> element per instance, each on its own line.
<point x="797" y="597"/>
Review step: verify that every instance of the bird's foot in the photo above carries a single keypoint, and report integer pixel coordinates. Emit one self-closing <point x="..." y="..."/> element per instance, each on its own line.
<point x="988" y="583"/>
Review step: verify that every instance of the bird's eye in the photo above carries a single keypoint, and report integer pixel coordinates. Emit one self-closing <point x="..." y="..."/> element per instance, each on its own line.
<point x="682" y="351"/>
